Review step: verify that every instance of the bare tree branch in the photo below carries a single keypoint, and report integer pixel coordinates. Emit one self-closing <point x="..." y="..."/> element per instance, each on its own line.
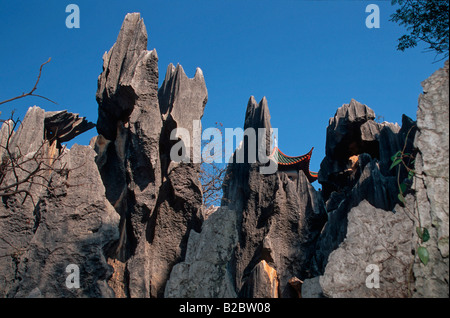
<point x="211" y="177"/>
<point x="31" y="93"/>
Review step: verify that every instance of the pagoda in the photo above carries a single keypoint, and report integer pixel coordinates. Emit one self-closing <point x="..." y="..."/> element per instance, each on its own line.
<point x="292" y="165"/>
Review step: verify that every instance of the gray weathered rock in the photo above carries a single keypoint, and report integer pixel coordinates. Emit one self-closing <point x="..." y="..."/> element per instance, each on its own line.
<point x="278" y="219"/>
<point x="179" y="207"/>
<point x="377" y="238"/>
<point x="129" y="125"/>
<point x="311" y="288"/>
<point x="180" y="95"/>
<point x="21" y="152"/>
<point x="29" y="135"/>
<point x="392" y="138"/>
<point x="6" y="132"/>
<point x="204" y="272"/>
<point x="343" y="130"/>
<point x="72" y="227"/>
<point x="159" y="200"/>
<point x="345" y="186"/>
<point x="432" y="184"/>
<point x="126" y="68"/>
<point x="262" y="282"/>
<point x="274" y="222"/>
<point x="351" y="132"/>
<point x="131" y="219"/>
<point x="357" y="168"/>
<point x="24" y="183"/>
<point x="72" y="223"/>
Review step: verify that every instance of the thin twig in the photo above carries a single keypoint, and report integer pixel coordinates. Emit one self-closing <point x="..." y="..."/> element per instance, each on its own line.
<point x="33" y="89"/>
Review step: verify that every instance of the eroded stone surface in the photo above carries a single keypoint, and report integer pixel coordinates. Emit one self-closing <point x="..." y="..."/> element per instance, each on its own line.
<point x="378" y="238"/>
<point x="432" y="183"/>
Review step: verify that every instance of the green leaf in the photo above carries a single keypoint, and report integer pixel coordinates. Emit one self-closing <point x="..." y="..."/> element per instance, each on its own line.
<point x="411" y="174"/>
<point x="419" y="232"/>
<point x="395" y="163"/>
<point x="426" y="235"/>
<point x="398" y="154"/>
<point x="401" y="198"/>
<point x="423" y="255"/>
<point x="423" y="234"/>
<point x="403" y="188"/>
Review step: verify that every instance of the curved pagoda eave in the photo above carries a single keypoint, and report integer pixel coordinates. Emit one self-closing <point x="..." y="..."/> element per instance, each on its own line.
<point x="288" y="163"/>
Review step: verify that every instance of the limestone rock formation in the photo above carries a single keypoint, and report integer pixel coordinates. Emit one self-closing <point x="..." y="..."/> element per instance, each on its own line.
<point x="63" y="218"/>
<point x="129" y="70"/>
<point x="352" y="132"/>
<point x="273" y="221"/>
<point x="16" y="214"/>
<point x="263" y="282"/>
<point x="278" y="219"/>
<point x="123" y="218"/>
<point x="356" y="168"/>
<point x="29" y="135"/>
<point x="311" y="288"/>
<point x="158" y="200"/>
<point x="71" y="227"/>
<point x="366" y="226"/>
<point x="204" y="272"/>
<point x="377" y="243"/>
<point x="129" y="124"/>
<point x="431" y="184"/>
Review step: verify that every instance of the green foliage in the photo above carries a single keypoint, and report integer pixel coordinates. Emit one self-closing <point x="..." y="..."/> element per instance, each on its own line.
<point x="396" y="162"/>
<point x="426" y="21"/>
<point x="423" y="255"/>
<point x="423" y="234"/>
<point x="406" y="160"/>
<point x="397" y="159"/>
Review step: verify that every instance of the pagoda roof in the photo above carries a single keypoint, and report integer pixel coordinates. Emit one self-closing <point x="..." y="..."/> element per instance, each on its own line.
<point x="286" y="162"/>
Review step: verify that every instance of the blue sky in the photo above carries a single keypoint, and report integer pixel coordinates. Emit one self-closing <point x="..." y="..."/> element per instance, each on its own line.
<point x="306" y="57"/>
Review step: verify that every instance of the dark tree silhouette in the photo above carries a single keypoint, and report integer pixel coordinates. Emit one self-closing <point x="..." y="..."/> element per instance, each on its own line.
<point x="426" y="21"/>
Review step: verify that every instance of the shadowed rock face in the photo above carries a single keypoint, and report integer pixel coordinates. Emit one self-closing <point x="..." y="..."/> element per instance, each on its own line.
<point x="156" y="201"/>
<point x="352" y="132"/>
<point x="205" y="271"/>
<point x="64" y="219"/>
<point x="356" y="168"/>
<point x="71" y="227"/>
<point x="288" y="246"/>
<point x="63" y="126"/>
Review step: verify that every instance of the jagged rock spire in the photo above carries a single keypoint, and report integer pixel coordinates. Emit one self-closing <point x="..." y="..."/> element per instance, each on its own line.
<point x="272" y="213"/>
<point x="145" y="186"/>
<point x="129" y="71"/>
